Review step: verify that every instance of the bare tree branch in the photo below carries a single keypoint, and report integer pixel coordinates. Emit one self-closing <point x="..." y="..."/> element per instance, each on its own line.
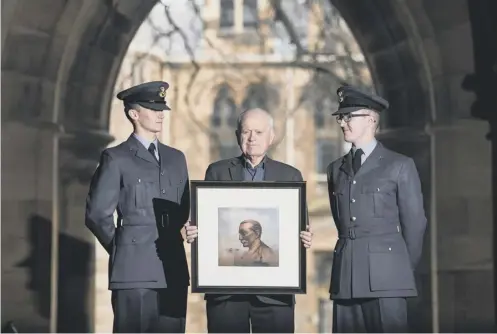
<point x="209" y="42"/>
<point x="317" y="59"/>
<point x="196" y="66"/>
<point x="280" y="15"/>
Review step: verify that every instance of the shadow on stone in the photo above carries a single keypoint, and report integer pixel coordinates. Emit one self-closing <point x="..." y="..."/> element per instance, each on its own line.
<point x="75" y="258"/>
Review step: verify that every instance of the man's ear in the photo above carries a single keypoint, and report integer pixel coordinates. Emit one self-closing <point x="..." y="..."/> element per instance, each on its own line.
<point x="133" y="114"/>
<point x="372" y="118"/>
<point x="237" y="134"/>
<point x="271" y="137"/>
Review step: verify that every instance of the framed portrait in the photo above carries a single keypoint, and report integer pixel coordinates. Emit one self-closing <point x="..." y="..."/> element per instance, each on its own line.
<point x="248" y="237"/>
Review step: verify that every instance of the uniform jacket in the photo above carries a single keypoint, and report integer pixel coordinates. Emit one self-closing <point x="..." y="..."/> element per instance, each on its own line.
<point x="381" y="222"/>
<point x="232" y="170"/>
<point x="152" y="201"/>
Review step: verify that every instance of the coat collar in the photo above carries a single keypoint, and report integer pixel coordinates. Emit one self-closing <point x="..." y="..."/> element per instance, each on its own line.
<point x="141" y="152"/>
<point x="373" y="161"/>
<point x="238" y="163"/>
<point x="346" y="165"/>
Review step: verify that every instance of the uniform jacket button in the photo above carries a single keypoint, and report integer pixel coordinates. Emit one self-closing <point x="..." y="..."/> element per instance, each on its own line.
<point x="163" y="191"/>
<point x="133" y="240"/>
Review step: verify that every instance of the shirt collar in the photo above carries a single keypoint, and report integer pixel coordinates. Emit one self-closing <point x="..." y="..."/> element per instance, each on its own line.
<point x="367" y="148"/>
<point x="145" y="142"/>
<point x="246" y="163"/>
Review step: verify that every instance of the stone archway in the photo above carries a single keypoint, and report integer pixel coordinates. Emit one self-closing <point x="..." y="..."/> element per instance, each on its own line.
<point x="59" y="64"/>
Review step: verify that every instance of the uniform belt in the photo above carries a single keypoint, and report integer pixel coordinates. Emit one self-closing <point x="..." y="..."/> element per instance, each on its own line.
<point x="355" y="232"/>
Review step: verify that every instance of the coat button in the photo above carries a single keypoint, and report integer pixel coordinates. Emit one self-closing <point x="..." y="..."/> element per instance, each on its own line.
<point x="354" y="219"/>
<point x="354" y="182"/>
<point x="353" y="200"/>
<point x="139" y="180"/>
<point x="162" y="173"/>
<point x="389" y="248"/>
<point x="377" y="189"/>
<point x="133" y="240"/>
<point x="163" y="191"/>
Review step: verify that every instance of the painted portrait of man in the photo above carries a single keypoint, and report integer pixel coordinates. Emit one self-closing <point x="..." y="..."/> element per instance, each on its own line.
<point x="257" y="253"/>
<point x="248" y="237"/>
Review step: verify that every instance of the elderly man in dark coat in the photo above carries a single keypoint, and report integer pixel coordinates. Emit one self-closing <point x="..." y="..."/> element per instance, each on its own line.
<point x="256" y="313"/>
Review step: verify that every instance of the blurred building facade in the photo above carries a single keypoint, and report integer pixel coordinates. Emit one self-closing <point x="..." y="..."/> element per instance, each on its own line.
<point x="237" y="65"/>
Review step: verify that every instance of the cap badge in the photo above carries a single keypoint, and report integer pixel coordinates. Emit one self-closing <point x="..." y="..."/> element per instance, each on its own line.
<point x="162" y="91"/>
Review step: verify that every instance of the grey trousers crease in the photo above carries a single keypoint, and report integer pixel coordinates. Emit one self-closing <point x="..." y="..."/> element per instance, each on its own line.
<point x="372" y="315"/>
<point x="243" y="314"/>
<point x="149" y="310"/>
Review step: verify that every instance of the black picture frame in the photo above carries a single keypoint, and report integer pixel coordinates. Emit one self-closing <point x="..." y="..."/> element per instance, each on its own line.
<point x="236" y="186"/>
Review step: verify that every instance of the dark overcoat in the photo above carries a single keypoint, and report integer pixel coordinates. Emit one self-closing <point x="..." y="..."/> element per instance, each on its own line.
<point x="232" y="170"/>
<point x="152" y="201"/>
<point x="381" y="222"/>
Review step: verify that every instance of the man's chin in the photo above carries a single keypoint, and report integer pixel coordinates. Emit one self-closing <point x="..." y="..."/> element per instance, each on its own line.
<point x="347" y="139"/>
<point x="255" y="154"/>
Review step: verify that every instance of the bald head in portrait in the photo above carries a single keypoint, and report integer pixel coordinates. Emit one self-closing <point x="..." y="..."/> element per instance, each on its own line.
<point x="257" y="253"/>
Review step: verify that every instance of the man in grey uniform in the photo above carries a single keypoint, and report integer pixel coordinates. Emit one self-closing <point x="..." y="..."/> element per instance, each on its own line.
<point x="147" y="183"/>
<point x="377" y="205"/>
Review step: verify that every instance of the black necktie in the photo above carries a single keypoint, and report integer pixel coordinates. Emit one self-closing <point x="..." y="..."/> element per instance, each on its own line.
<point x="356" y="160"/>
<point x="151" y="149"/>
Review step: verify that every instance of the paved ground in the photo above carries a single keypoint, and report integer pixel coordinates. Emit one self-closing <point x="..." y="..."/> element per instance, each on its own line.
<point x="103" y="309"/>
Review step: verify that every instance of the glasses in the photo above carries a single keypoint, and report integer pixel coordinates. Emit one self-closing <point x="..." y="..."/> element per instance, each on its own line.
<point x="348" y="117"/>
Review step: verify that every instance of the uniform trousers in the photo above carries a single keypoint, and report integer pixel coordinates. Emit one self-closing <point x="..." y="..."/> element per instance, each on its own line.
<point x="241" y="314"/>
<point x="371" y="315"/>
<point x="149" y="310"/>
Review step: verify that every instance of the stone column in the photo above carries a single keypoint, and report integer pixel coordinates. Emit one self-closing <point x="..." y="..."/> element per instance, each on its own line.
<point x="27" y="210"/>
<point x="484" y="84"/>
<point x="79" y="156"/>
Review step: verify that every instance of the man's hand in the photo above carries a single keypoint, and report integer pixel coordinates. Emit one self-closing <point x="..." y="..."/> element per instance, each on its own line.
<point x="306" y="237"/>
<point x="191" y="232"/>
